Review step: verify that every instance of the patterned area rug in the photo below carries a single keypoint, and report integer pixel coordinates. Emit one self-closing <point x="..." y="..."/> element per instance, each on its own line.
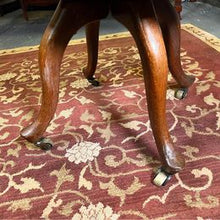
<point x="104" y="155"/>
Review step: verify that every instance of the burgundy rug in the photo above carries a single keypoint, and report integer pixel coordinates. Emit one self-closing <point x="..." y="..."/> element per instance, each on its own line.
<point x="104" y="155"/>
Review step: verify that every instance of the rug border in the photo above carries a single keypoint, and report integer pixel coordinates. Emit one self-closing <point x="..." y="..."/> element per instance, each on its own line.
<point x="206" y="37"/>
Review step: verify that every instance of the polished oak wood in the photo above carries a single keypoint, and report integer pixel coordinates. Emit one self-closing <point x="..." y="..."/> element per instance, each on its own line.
<point x="154" y="24"/>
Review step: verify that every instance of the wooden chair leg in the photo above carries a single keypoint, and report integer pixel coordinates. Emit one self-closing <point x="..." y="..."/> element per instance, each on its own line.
<point x="92" y="39"/>
<point x="24" y="6"/>
<point x="63" y="25"/>
<point x="178" y="7"/>
<point x="170" y="27"/>
<point x="139" y="17"/>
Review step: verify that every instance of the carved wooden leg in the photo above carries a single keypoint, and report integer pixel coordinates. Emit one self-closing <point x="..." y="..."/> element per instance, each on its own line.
<point x="170" y="26"/>
<point x="62" y="26"/>
<point x="139" y="17"/>
<point x="92" y="39"/>
<point x="178" y="7"/>
<point x="24" y="6"/>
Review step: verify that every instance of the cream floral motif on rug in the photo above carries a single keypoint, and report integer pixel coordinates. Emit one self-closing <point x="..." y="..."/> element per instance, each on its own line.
<point x="83" y="152"/>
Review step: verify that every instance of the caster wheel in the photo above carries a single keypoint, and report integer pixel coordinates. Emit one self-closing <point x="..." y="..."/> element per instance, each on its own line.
<point x="44" y="144"/>
<point x="93" y="81"/>
<point x="181" y="93"/>
<point x="161" y="178"/>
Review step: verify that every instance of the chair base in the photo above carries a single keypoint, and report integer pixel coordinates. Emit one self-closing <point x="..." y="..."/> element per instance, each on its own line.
<point x="157" y="37"/>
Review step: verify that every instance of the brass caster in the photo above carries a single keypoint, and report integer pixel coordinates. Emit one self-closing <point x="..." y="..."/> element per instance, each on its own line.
<point x="44" y="144"/>
<point x="93" y="81"/>
<point x="161" y="177"/>
<point x="181" y="93"/>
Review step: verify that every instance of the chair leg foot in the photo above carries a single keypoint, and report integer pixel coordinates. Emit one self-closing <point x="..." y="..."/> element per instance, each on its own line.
<point x="181" y="93"/>
<point x="161" y="177"/>
<point x="94" y="81"/>
<point x="44" y="144"/>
